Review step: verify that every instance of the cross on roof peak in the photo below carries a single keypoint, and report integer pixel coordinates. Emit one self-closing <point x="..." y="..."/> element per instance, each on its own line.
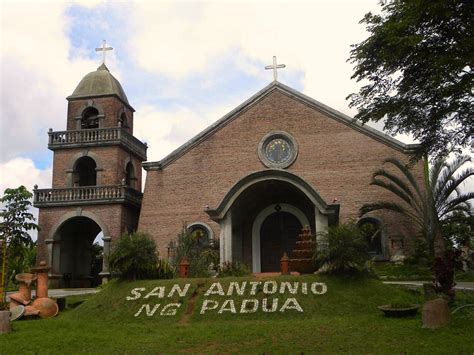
<point x="275" y="66"/>
<point x="103" y="49"/>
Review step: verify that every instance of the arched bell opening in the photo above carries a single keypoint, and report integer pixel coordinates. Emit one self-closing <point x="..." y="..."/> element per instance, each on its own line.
<point x="130" y="176"/>
<point x="90" y="118"/>
<point x="77" y="255"/>
<point x="85" y="172"/>
<point x="123" y="121"/>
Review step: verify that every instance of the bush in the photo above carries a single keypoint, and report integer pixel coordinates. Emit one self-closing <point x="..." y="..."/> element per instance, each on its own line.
<point x="164" y="269"/>
<point x="134" y="257"/>
<point x="202" y="254"/>
<point x="343" y="248"/>
<point x="233" y="269"/>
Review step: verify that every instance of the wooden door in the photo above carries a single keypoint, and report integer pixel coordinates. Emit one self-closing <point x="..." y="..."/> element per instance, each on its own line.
<point x="278" y="235"/>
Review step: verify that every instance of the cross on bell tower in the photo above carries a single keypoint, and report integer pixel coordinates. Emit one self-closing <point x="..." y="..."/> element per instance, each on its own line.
<point x="103" y="49"/>
<point x="275" y="66"/>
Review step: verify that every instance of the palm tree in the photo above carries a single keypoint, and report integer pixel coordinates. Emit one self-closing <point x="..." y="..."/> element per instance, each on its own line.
<point x="430" y="206"/>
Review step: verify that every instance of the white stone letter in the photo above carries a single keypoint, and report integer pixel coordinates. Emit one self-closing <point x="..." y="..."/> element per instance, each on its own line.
<point x="166" y="311"/>
<point x="149" y="312"/>
<point x="136" y="294"/>
<point x="291" y="303"/>
<point x="230" y="308"/>
<point x="265" y="305"/>
<point x="293" y="290"/>
<point x="235" y="285"/>
<point x="323" y="286"/>
<point x="157" y="291"/>
<point x="218" y="290"/>
<point x="246" y="309"/>
<point x="270" y="291"/>
<point x="177" y="288"/>
<point x="208" y="305"/>
<point x="254" y="284"/>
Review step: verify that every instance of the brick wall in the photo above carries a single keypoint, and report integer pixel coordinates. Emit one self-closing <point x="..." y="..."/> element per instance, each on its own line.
<point x="335" y="159"/>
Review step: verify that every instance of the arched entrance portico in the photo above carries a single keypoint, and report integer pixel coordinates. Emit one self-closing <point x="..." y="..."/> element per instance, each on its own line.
<point x="244" y="209"/>
<point x="76" y="249"/>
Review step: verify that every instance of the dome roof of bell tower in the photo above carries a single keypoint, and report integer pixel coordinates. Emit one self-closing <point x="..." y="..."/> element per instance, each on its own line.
<point x="99" y="83"/>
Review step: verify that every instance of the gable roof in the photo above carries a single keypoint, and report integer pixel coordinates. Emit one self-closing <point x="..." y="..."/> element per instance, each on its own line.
<point x="296" y="95"/>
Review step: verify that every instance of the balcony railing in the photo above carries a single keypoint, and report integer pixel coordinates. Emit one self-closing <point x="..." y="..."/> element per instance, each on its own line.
<point x="87" y="195"/>
<point x="96" y="137"/>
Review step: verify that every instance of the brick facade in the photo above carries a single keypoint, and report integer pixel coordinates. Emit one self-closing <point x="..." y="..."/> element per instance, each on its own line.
<point x="336" y="160"/>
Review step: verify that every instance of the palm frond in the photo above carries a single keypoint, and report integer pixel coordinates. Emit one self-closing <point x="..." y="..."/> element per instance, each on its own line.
<point x="402" y="185"/>
<point x="391" y="206"/>
<point x="457" y="202"/>
<point x="397" y="191"/>
<point x="407" y="173"/>
<point x="452" y="185"/>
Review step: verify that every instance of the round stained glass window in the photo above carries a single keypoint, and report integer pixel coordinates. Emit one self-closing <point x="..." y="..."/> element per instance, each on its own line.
<point x="277" y="150"/>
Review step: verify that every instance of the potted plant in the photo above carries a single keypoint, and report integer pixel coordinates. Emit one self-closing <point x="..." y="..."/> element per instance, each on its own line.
<point x="400" y="307"/>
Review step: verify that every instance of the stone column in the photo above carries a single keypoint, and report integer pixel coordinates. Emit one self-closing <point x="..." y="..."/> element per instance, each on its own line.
<point x="321" y="224"/>
<point x="105" y="274"/>
<point x="225" y="238"/>
<point x="49" y="250"/>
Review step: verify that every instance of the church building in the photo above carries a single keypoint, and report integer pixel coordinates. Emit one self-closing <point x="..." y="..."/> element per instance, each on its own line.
<point x="279" y="161"/>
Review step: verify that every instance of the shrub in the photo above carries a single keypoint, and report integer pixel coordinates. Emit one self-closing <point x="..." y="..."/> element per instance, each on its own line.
<point x="164" y="269"/>
<point x="201" y="253"/>
<point x="233" y="269"/>
<point x="343" y="248"/>
<point x="134" y="257"/>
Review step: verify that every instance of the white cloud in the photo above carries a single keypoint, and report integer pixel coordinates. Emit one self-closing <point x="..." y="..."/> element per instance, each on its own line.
<point x="36" y="74"/>
<point x="165" y="131"/>
<point x="22" y="171"/>
<point x="180" y="39"/>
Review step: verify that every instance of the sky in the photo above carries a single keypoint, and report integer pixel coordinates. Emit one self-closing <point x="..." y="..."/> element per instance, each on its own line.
<point x="182" y="64"/>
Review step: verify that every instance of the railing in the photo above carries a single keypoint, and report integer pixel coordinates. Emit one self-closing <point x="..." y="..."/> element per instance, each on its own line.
<point x="99" y="136"/>
<point x="86" y="195"/>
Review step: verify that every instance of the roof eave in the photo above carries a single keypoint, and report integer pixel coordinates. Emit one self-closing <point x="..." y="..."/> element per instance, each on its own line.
<point x="82" y="97"/>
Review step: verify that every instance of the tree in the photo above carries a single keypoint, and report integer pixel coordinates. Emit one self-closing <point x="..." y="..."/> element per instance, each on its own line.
<point x="16" y="221"/>
<point x="437" y="203"/>
<point x="418" y="61"/>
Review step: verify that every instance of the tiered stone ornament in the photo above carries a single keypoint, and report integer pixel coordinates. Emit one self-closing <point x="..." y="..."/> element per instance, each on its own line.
<point x="302" y="260"/>
<point x="42" y="305"/>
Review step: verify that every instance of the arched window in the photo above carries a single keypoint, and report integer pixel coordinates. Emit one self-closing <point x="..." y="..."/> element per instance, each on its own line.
<point x="130" y="175"/>
<point x="201" y="232"/>
<point x="372" y="229"/>
<point x="122" y="121"/>
<point x="85" y="173"/>
<point x="90" y="118"/>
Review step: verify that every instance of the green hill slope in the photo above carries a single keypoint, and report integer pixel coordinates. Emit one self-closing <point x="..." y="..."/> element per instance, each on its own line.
<point x="240" y="315"/>
<point x="194" y="300"/>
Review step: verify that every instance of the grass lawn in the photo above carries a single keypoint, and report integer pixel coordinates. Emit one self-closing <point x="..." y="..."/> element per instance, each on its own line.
<point x="408" y="272"/>
<point x="344" y="319"/>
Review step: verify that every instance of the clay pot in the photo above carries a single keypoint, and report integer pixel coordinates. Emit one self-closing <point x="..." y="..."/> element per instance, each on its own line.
<point x="19" y="299"/>
<point x="46" y="306"/>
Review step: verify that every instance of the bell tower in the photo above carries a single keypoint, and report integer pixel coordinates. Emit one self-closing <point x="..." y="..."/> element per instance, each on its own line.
<point x="96" y="187"/>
